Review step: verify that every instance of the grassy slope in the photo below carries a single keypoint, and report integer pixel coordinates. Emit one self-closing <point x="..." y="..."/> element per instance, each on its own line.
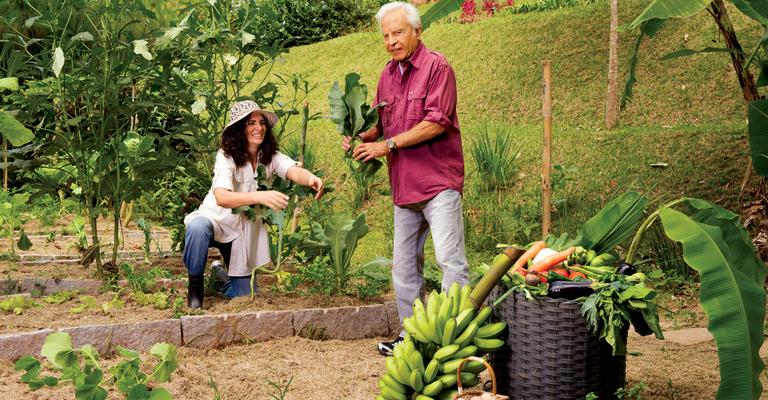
<point x="687" y="112"/>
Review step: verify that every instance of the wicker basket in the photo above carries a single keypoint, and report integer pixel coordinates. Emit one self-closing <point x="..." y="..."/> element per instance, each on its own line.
<point x="472" y="393"/>
<point x="551" y="354"/>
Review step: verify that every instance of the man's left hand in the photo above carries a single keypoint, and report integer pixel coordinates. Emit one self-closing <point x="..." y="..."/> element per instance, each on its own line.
<point x="369" y="151"/>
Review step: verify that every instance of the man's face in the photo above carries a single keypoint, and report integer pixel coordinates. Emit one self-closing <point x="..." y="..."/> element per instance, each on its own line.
<point x="400" y="38"/>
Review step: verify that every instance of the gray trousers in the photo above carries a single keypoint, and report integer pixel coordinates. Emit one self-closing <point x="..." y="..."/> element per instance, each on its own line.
<point x="443" y="217"/>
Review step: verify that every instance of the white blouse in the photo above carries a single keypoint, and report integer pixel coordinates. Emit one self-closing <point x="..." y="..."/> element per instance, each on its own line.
<point x="250" y="243"/>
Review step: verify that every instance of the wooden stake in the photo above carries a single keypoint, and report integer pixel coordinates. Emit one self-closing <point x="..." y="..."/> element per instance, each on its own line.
<point x="612" y="98"/>
<point x="546" y="176"/>
<point x="302" y="148"/>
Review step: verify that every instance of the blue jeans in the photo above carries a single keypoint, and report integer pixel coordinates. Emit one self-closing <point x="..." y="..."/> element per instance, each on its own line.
<point x="443" y="217"/>
<point x="197" y="240"/>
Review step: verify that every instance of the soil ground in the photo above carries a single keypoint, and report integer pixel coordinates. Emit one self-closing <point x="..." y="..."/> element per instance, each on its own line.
<point x="322" y="369"/>
<point x="333" y="370"/>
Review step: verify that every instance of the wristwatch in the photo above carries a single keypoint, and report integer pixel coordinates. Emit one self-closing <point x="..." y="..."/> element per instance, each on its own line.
<point x="391" y="145"/>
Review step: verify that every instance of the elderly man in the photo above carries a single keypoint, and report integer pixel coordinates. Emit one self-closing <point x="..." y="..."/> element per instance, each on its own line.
<point x="422" y="142"/>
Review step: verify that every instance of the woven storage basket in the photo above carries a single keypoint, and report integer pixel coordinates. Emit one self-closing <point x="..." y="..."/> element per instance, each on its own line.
<point x="550" y="354"/>
<point x="468" y="394"/>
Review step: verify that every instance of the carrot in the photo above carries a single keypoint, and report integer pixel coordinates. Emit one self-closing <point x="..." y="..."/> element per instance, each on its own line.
<point x="576" y="274"/>
<point x="560" y="271"/>
<point x="549" y="262"/>
<point x="522" y="262"/>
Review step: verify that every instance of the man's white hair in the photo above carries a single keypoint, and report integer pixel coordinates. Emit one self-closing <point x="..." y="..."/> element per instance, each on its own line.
<point x="411" y="13"/>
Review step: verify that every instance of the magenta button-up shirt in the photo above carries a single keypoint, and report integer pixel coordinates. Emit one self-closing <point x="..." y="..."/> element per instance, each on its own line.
<point x="426" y="91"/>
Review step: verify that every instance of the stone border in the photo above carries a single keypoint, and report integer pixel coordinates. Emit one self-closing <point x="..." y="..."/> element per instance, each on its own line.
<point x="217" y="331"/>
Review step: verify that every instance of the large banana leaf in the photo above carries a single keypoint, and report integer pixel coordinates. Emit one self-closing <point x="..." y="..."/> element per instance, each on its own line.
<point x="439" y="10"/>
<point x="615" y="222"/>
<point x="755" y="9"/>
<point x="665" y="9"/>
<point x="758" y="135"/>
<point x="733" y="302"/>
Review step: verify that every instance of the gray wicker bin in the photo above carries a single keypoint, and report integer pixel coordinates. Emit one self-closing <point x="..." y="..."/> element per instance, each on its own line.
<point x="550" y="354"/>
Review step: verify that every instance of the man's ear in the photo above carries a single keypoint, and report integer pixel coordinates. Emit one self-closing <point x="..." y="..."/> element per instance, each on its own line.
<point x="418" y="32"/>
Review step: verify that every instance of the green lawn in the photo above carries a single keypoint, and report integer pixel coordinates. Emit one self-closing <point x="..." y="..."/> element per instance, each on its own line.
<point x="687" y="113"/>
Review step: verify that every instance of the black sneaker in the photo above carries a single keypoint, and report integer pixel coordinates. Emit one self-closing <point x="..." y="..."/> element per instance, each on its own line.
<point x="385" y="348"/>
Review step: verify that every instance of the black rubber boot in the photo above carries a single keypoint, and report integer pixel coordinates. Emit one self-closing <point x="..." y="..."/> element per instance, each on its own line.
<point x="196" y="291"/>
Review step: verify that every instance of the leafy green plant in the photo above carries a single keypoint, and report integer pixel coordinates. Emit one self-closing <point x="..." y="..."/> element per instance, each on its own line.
<point x="497" y="158"/>
<point x="11" y="129"/>
<point x="338" y="238"/>
<point x="717" y="246"/>
<point x="352" y="115"/>
<point x="88" y="379"/>
<point x="86" y="303"/>
<point x="158" y="300"/>
<point x="304" y="22"/>
<point x="280" y="389"/>
<point x="143" y="281"/>
<point x="60" y="297"/>
<point x="146" y="229"/>
<point x="16" y="304"/>
<point x="13" y="209"/>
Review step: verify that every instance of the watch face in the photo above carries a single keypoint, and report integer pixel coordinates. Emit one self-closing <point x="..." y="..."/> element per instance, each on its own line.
<point x="391" y="144"/>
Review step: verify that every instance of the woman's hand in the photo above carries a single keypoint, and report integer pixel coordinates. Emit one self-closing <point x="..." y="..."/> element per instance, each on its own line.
<point x="272" y="199"/>
<point x="316" y="184"/>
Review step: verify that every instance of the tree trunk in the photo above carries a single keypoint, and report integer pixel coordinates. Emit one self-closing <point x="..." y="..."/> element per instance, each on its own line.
<point x="746" y="79"/>
<point x="612" y="98"/>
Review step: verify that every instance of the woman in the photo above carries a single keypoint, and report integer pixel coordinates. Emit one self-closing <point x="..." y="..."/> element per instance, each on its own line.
<point x="246" y="141"/>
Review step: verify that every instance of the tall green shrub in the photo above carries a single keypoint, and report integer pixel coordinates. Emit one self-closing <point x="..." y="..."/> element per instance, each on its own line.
<point x="300" y="22"/>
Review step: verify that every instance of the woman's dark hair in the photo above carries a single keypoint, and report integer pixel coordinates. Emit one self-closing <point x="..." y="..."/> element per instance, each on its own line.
<point x="235" y="145"/>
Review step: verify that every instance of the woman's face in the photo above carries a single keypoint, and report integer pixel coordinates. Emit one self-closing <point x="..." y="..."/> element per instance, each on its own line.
<point x="255" y="128"/>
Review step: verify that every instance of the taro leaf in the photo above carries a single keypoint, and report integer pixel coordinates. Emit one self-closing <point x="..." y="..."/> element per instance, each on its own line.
<point x="166" y="354"/>
<point x="58" y="350"/>
<point x="355" y="100"/>
<point x="665" y="9"/>
<point x="141" y="392"/>
<point x="733" y="302"/>
<point x="13" y="130"/>
<point x="615" y="222"/>
<point x="24" y="243"/>
<point x="352" y="80"/>
<point x="758" y="135"/>
<point x="372" y="116"/>
<point x="762" y="79"/>
<point x="338" y="107"/>
<point x="439" y="10"/>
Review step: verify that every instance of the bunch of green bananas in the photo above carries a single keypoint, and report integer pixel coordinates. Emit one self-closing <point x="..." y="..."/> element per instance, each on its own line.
<point x="445" y="331"/>
<point x="582" y="256"/>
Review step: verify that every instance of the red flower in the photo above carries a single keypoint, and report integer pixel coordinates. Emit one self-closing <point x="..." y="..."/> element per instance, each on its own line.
<point x="468" y="8"/>
<point x="490" y="6"/>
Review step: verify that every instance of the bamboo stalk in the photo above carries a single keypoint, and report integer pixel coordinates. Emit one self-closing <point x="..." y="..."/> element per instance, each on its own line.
<point x="612" y="98"/>
<point x="546" y="177"/>
<point x="501" y="264"/>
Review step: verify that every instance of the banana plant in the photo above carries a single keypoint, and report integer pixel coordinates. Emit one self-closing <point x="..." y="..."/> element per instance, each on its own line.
<point x="717" y="246"/>
<point x="651" y="20"/>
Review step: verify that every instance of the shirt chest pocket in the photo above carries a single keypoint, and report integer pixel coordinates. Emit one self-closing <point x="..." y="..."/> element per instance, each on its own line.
<point x="416" y="105"/>
<point x="385" y="113"/>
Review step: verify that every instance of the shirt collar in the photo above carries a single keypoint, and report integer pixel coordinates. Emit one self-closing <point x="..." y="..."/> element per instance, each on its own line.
<point x="415" y="59"/>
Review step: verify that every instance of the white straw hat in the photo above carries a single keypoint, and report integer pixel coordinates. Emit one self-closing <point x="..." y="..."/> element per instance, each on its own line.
<point x="242" y="109"/>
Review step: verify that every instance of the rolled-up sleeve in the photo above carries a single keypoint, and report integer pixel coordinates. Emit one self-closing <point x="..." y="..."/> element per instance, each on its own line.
<point x="440" y="102"/>
<point x="281" y="163"/>
<point x="223" y="172"/>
